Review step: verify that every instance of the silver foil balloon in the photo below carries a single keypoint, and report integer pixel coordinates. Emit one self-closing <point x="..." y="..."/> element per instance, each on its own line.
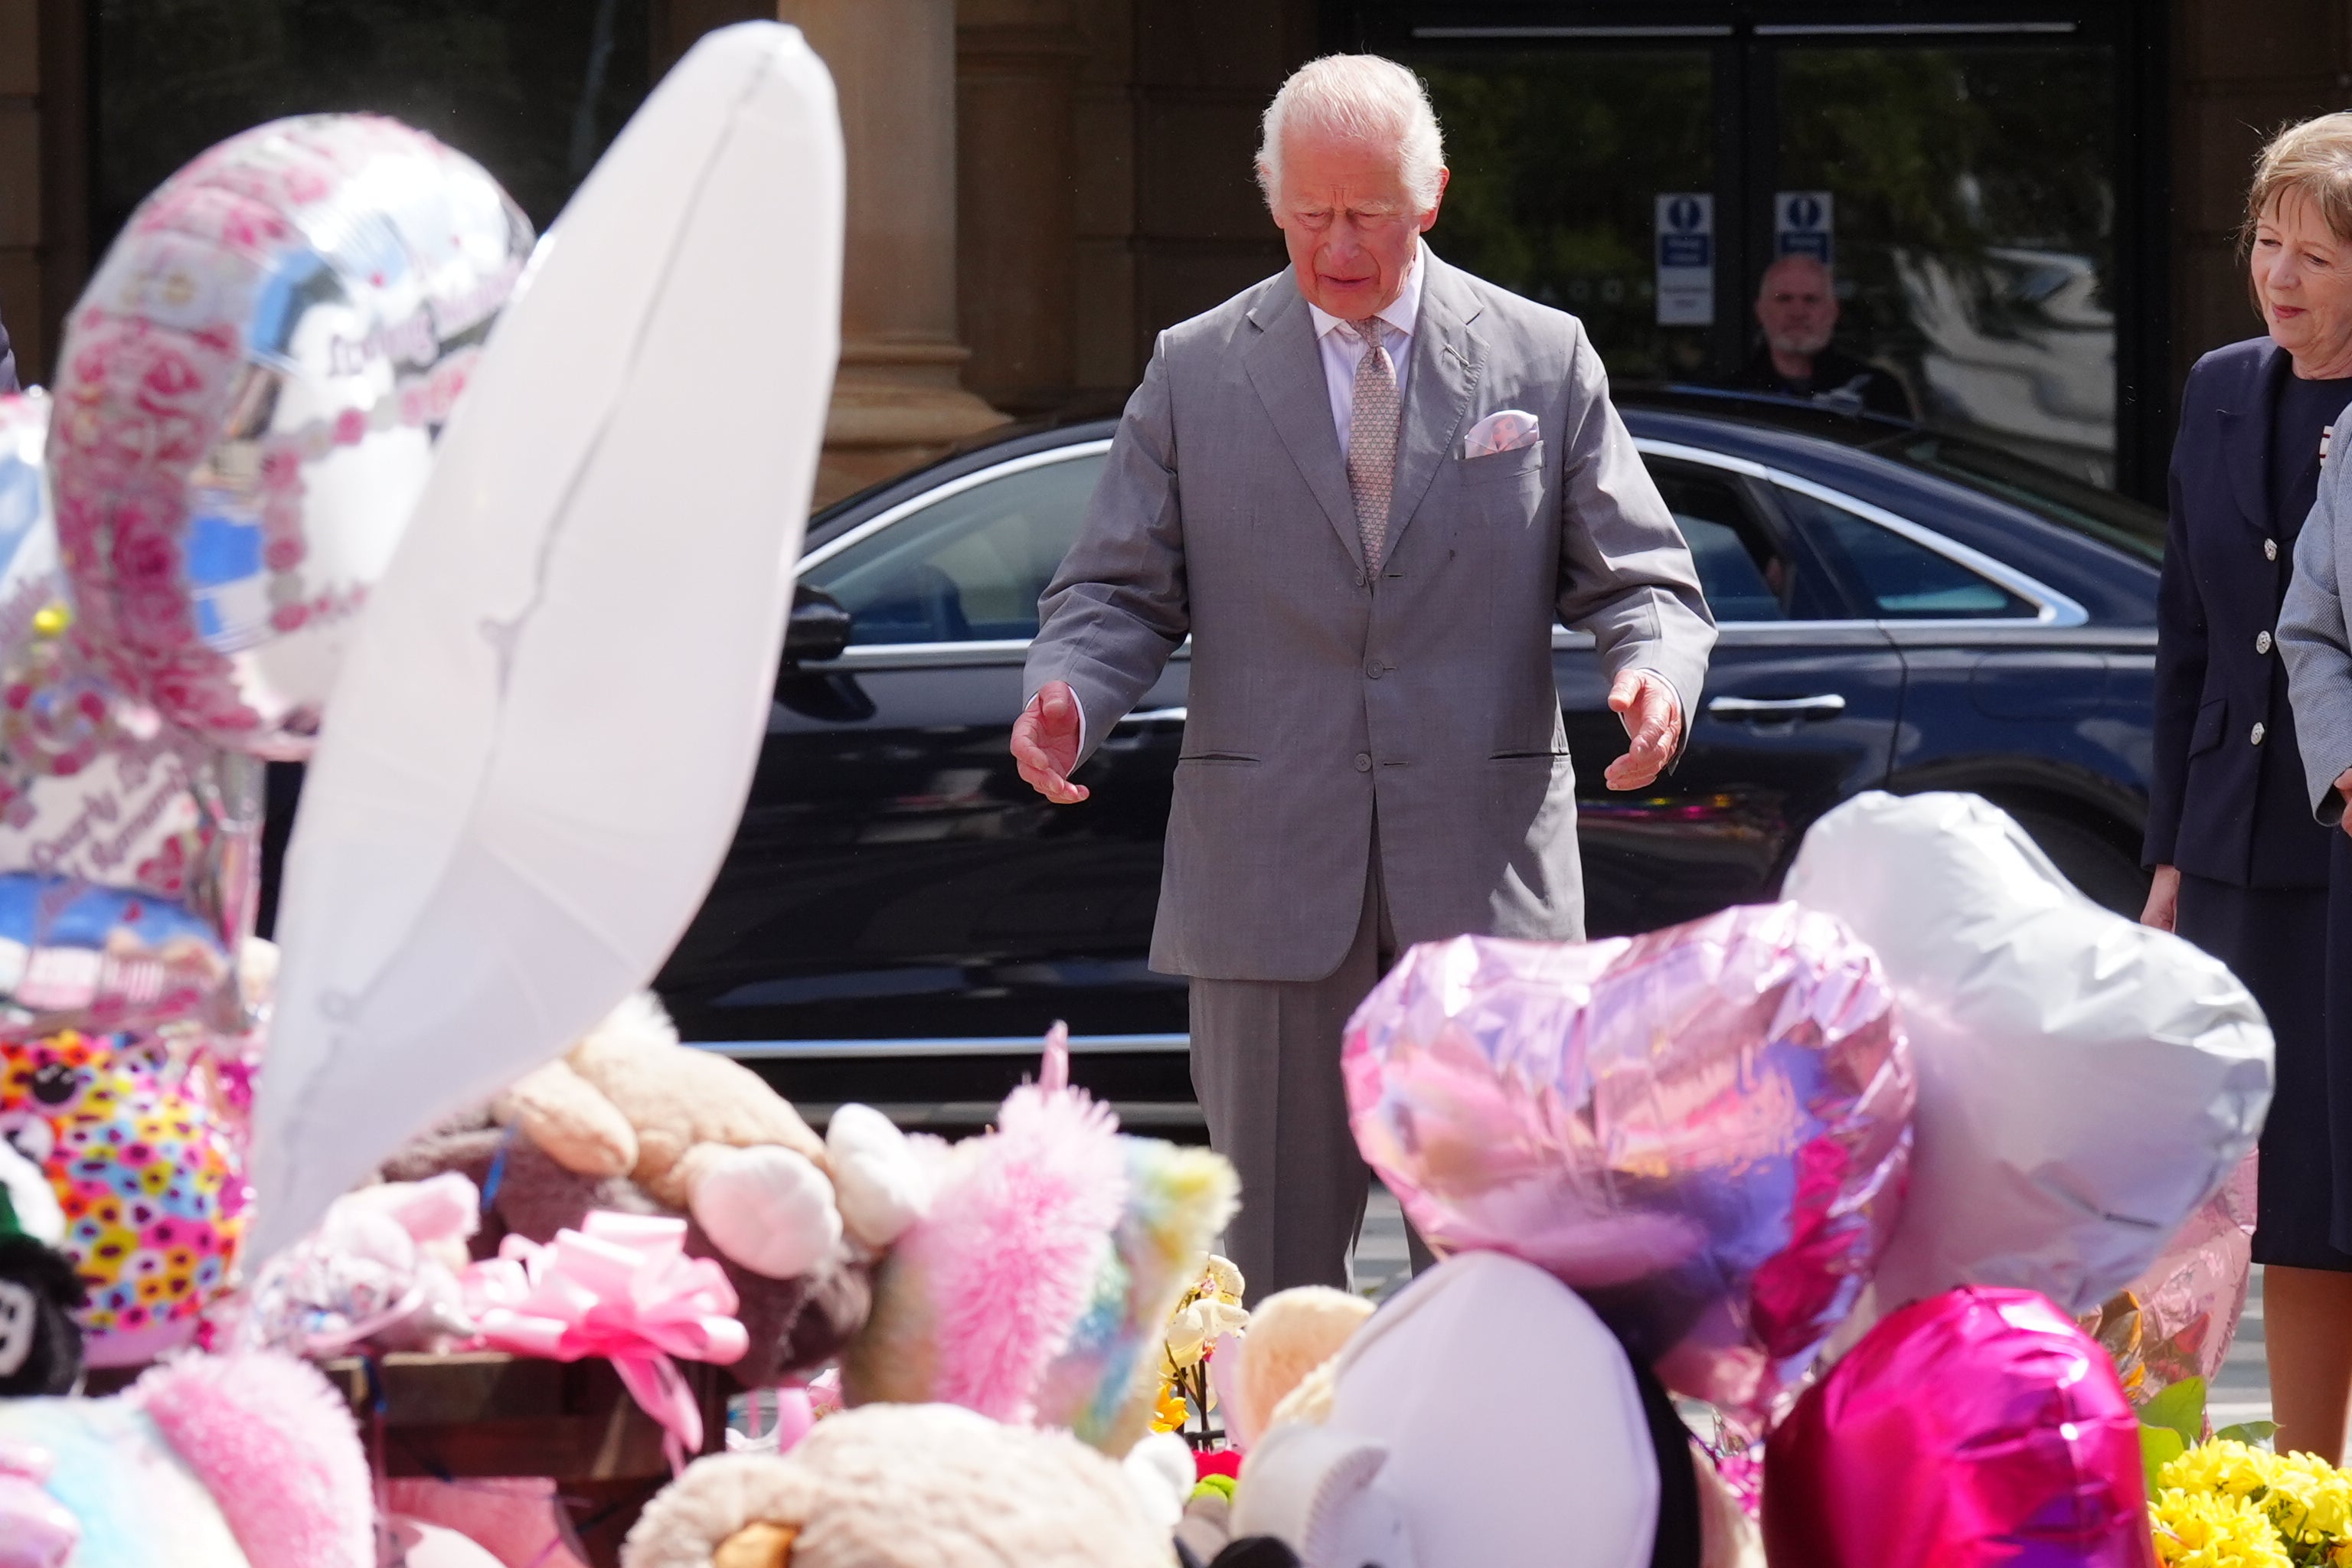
<point x="2086" y="1083"/>
<point x="250" y="392"/>
<point x="1704" y="1130"/>
<point x="128" y="849"/>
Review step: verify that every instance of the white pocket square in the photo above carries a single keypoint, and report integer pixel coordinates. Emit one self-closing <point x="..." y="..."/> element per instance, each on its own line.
<point x="1507" y="431"/>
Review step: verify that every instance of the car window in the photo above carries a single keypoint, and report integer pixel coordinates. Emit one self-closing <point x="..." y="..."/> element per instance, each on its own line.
<point x="968" y="568"/>
<point x="2099" y="514"/>
<point x="1899" y="578"/>
<point x="1743" y="568"/>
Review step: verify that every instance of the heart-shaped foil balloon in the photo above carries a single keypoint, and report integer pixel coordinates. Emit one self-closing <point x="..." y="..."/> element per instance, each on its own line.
<point x="247" y="404"/>
<point x="1703" y="1131"/>
<point x="127" y="848"/>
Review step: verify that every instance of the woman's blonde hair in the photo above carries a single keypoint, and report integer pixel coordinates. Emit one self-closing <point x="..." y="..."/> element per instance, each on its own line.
<point x="2313" y="159"/>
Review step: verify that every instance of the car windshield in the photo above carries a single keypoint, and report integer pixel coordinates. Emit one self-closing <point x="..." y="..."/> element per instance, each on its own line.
<point x="2111" y="519"/>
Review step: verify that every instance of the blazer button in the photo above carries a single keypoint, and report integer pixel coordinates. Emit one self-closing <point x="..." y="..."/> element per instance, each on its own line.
<point x="1375" y="668"/>
<point x="2269" y="549"/>
<point x="1363" y="762"/>
<point x="2262" y="642"/>
<point x="2257" y="736"/>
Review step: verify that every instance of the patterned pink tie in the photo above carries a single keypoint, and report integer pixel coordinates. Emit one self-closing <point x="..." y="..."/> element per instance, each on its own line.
<point x="1372" y="441"/>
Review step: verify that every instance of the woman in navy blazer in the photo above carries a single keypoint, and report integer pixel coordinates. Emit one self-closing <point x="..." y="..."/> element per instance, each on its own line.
<point x="2240" y="867"/>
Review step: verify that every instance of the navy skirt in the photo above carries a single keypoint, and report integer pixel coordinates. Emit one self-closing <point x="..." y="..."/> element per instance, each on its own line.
<point x="2280" y="942"/>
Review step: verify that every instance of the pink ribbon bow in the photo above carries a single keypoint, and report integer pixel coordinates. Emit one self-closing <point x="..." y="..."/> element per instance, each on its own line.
<point x="621" y="1287"/>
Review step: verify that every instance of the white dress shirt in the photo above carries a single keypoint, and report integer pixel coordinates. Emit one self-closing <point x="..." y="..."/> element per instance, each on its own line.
<point x="1344" y="349"/>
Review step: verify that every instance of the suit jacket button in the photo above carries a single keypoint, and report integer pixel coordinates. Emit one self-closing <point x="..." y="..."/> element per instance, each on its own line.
<point x="2269" y="549"/>
<point x="1375" y="668"/>
<point x="2262" y="642"/>
<point x="1363" y="762"/>
<point x="2257" y="736"/>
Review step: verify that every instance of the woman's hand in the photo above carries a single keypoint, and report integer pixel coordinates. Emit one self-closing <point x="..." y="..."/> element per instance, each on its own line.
<point x="2164" y="893"/>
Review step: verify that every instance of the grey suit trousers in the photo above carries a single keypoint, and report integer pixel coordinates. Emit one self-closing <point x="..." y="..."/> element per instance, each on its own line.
<point x="1265" y="1068"/>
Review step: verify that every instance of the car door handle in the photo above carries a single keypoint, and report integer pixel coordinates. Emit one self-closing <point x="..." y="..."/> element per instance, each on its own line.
<point x="1821" y="706"/>
<point x="1154" y="716"/>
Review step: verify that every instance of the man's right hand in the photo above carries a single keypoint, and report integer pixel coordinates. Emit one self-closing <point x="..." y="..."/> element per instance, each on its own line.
<point x="1045" y="743"/>
<point x="2163" y="899"/>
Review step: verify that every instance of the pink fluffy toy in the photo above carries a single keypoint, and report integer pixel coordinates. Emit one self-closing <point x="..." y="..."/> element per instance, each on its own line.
<point x="1046" y="1270"/>
<point x="239" y="1461"/>
<point x="978" y="1296"/>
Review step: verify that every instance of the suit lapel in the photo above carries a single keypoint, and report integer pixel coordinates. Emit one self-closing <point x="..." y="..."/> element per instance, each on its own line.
<point x="2246" y="438"/>
<point x="1286" y="369"/>
<point x="1447" y="359"/>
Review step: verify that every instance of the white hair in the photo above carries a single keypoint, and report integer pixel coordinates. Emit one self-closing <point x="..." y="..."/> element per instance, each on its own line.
<point x="1362" y="98"/>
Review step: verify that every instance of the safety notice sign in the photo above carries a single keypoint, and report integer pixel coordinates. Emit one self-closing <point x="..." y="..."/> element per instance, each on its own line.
<point x="1686" y="258"/>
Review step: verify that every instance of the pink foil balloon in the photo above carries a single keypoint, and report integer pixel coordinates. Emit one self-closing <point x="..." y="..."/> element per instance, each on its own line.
<point x="128" y="849"/>
<point x="1704" y="1130"/>
<point x="1974" y="1428"/>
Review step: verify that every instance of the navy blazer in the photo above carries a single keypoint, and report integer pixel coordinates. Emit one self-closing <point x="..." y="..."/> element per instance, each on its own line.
<point x="2225" y="792"/>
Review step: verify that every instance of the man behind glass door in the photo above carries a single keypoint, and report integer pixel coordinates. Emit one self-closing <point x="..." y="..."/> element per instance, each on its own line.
<point x="1798" y="309"/>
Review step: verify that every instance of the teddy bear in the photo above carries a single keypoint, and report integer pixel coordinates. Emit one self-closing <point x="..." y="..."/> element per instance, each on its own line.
<point x="1292" y="1334"/>
<point x="633" y="1121"/>
<point x="906" y="1486"/>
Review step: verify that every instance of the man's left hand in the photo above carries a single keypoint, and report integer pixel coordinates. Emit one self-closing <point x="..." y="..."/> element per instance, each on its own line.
<point x="1654" y="721"/>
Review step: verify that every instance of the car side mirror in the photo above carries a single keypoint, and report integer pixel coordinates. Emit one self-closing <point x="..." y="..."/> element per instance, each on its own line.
<point x="818" y="629"/>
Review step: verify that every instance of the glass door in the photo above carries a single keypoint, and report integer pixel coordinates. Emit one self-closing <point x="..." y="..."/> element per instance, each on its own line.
<point x="1968" y="185"/>
<point x="1984" y="186"/>
<point x="1562" y="160"/>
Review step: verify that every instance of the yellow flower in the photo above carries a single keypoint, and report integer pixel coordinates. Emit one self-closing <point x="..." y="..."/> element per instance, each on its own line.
<point x="1168" y="1411"/>
<point x="2232" y="1470"/>
<point x="2309" y="1500"/>
<point x="2200" y="1531"/>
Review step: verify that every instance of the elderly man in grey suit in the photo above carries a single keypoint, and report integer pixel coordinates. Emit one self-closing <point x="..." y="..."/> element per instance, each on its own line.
<point x="1364" y="488"/>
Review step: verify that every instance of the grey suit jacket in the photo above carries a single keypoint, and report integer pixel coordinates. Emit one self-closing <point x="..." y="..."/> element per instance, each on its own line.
<point x="1319" y="694"/>
<point x="2312" y="635"/>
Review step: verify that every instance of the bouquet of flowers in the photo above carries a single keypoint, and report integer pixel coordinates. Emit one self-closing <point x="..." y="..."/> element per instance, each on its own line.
<point x="2228" y="1504"/>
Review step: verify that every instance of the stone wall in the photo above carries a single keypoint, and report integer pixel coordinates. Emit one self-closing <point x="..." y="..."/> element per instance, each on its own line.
<point x="1104" y="147"/>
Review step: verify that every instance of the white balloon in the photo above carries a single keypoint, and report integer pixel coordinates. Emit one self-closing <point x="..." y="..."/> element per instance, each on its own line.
<point x="2084" y="1082"/>
<point x="548" y="724"/>
<point x="1483" y="1416"/>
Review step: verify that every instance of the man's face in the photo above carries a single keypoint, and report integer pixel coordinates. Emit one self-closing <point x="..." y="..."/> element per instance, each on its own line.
<point x="1797" y="308"/>
<point x="1349" y="222"/>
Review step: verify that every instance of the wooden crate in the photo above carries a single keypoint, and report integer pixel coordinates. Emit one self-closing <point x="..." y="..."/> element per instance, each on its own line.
<point x="485" y="1413"/>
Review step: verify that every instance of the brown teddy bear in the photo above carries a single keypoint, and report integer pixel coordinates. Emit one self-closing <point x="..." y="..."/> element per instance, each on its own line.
<point x="632" y="1121"/>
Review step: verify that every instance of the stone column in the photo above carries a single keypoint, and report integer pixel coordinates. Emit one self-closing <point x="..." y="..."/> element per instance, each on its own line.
<point x="1017" y="65"/>
<point x="898" y="400"/>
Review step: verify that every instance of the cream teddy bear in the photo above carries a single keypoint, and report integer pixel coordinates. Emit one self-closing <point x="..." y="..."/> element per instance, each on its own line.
<point x="707" y="1136"/>
<point x="906" y="1486"/>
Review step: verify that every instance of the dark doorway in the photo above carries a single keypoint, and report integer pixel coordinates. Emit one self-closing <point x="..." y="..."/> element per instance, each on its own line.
<point x="1978" y="178"/>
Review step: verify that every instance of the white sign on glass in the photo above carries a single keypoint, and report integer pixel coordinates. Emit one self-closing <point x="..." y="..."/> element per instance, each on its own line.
<point x="1804" y="222"/>
<point x="1686" y="258"/>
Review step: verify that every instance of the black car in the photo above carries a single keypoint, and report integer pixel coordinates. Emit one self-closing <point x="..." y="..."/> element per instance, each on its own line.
<point x="900" y="916"/>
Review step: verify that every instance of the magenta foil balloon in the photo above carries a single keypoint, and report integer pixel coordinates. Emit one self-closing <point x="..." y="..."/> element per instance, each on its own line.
<point x="1974" y="1428"/>
<point x="1703" y="1131"/>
